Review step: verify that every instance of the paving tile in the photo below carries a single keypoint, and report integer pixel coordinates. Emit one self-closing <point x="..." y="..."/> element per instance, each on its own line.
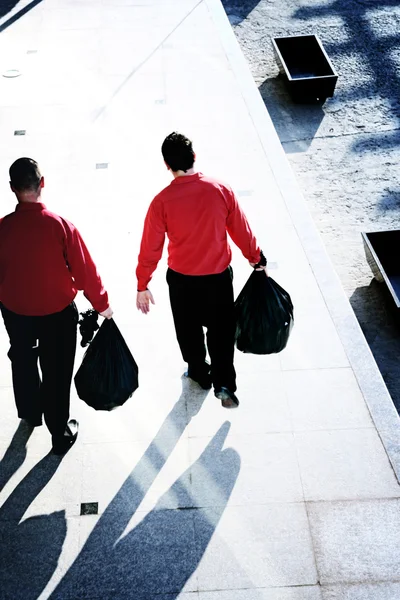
<point x="379" y="591"/>
<point x="34" y="552"/>
<point x="156" y="556"/>
<point x="325" y="399"/>
<point x="284" y="593"/>
<point x="350" y="464"/>
<point x="263" y="407"/>
<point x="268" y="471"/>
<point x="356" y="542"/>
<point x="314" y="344"/>
<point x="34" y="486"/>
<point x="121" y="476"/>
<point x="257" y="546"/>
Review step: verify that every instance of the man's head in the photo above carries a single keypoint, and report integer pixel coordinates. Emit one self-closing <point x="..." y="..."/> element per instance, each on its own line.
<point x="178" y="153"/>
<point x="26" y="180"/>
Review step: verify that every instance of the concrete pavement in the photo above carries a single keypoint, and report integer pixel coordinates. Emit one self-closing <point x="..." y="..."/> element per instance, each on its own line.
<point x="292" y="497"/>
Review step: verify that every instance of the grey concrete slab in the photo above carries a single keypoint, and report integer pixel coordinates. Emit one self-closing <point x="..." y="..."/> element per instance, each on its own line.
<point x="35" y="552"/>
<point x="335" y="465"/>
<point x="263" y="406"/>
<point x="294" y="593"/>
<point x="154" y="557"/>
<point x="35" y="486"/>
<point x="255" y="546"/>
<point x="356" y="542"/>
<point x="378" y="591"/>
<point x="325" y="399"/>
<point x="269" y="471"/>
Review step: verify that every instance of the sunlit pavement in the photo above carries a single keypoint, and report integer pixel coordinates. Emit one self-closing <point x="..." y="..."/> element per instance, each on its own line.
<point x="291" y="497"/>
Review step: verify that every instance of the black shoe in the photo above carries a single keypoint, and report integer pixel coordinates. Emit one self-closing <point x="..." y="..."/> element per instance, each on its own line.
<point x="61" y="444"/>
<point x="228" y="398"/>
<point x="204" y="379"/>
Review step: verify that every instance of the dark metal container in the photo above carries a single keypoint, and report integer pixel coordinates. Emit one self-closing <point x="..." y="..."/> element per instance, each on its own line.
<point x="382" y="249"/>
<point x="306" y="67"/>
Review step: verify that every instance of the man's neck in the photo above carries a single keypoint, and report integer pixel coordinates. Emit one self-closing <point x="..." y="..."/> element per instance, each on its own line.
<point x="191" y="171"/>
<point x="29" y="199"/>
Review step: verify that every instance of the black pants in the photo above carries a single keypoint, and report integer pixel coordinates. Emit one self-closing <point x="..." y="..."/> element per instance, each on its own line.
<point x="51" y="340"/>
<point x="205" y="300"/>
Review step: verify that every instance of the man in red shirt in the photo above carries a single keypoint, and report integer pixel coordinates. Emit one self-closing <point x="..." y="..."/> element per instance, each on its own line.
<point x="43" y="264"/>
<point x="196" y="213"/>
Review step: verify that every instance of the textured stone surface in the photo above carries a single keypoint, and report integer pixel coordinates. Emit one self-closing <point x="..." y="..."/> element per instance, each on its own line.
<point x="345" y="153"/>
<point x="255" y="546"/>
<point x="379" y="591"/>
<point x="356" y="541"/>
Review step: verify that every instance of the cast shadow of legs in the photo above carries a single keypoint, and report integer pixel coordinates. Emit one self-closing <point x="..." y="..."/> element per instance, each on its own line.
<point x="15" y="453"/>
<point x="160" y="554"/>
<point x="30" y="548"/>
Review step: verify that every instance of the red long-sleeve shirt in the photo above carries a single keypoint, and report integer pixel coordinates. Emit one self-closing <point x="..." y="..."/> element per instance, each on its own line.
<point x="196" y="213"/>
<point x="44" y="262"/>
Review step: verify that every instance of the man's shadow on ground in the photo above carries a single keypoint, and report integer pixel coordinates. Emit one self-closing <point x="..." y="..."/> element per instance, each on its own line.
<point x="30" y="548"/>
<point x="162" y="552"/>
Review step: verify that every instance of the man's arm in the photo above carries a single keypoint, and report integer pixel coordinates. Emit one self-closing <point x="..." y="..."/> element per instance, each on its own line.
<point x="151" y="249"/>
<point x="84" y="272"/>
<point x="240" y="231"/>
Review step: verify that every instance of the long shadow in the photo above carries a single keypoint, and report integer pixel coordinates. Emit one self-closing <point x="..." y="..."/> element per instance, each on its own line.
<point x="374" y="45"/>
<point x="15" y="453"/>
<point x="7" y="5"/>
<point x="382" y="332"/>
<point x="30" y="548"/>
<point x="160" y="554"/>
<point x="238" y="10"/>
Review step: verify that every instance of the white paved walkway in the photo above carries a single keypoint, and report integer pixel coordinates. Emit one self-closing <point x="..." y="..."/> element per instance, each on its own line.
<point x="291" y="497"/>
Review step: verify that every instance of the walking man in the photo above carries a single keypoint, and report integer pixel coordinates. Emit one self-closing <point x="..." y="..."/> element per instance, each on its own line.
<point x="196" y="213"/>
<point x="43" y="264"/>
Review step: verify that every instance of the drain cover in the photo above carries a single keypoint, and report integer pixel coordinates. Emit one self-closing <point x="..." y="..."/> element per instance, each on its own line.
<point x="89" y="508"/>
<point x="10" y="73"/>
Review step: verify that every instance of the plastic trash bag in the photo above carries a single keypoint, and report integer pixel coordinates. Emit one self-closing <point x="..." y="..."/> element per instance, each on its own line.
<point x="108" y="375"/>
<point x="264" y="316"/>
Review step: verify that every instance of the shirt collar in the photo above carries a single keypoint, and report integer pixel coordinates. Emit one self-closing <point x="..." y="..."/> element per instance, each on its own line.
<point x="187" y="178"/>
<point x="31" y="206"/>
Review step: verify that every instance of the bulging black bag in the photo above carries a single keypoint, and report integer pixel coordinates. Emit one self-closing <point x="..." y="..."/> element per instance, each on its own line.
<point x="264" y="316"/>
<point x="108" y="375"/>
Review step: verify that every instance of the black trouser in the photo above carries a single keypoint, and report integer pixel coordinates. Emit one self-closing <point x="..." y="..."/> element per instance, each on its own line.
<point x="205" y="300"/>
<point x="51" y="339"/>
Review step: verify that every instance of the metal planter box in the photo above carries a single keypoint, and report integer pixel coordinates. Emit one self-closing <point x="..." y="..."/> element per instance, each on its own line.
<point x="306" y="67"/>
<point x="382" y="249"/>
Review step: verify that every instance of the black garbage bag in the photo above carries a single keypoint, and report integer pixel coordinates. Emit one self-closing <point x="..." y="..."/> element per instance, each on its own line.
<point x="108" y="375"/>
<point x="88" y="326"/>
<point x="264" y="316"/>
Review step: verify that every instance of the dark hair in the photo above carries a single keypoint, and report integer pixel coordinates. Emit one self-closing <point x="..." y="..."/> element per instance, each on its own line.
<point x="25" y="175"/>
<point x="177" y="151"/>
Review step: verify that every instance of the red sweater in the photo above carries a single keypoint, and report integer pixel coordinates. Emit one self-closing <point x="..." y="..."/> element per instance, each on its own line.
<point x="196" y="213"/>
<point x="44" y="262"/>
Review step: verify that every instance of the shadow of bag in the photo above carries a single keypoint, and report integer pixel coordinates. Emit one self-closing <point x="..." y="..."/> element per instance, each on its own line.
<point x="264" y="316"/>
<point x="108" y="375"/>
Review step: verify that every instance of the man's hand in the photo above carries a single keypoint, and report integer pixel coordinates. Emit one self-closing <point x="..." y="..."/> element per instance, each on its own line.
<point x="143" y="300"/>
<point x="259" y="268"/>
<point x="107" y="314"/>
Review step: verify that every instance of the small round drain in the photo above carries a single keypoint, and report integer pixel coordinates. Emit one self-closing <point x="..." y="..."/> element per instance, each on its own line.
<point x="10" y="73"/>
